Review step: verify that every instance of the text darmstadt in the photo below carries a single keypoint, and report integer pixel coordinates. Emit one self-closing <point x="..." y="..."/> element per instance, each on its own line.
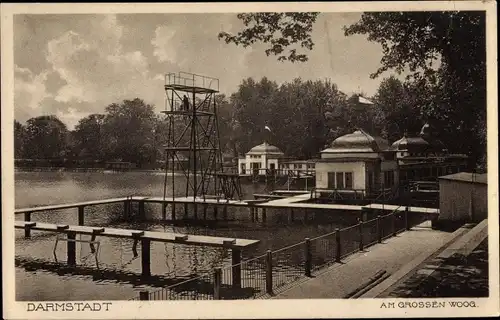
<point x="68" y="306"/>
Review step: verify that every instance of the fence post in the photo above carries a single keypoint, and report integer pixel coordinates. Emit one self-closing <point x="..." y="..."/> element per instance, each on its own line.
<point x="337" y="242"/>
<point x="146" y="257"/>
<point x="407" y="224"/>
<point x="71" y="248"/>
<point x="236" y="270"/>
<point x="393" y="223"/>
<point x="81" y="215"/>
<point x="126" y="208"/>
<point x="27" y="218"/>
<point x="217" y="283"/>
<point x="379" y="229"/>
<point x="360" y="226"/>
<point x="308" y="262"/>
<point x="269" y="272"/>
<point x="143" y="295"/>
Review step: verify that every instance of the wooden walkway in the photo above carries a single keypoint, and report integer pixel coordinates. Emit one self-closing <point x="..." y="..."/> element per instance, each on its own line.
<point x="390" y="207"/>
<point x="140" y="234"/>
<point x="76" y="205"/>
<point x="296" y="201"/>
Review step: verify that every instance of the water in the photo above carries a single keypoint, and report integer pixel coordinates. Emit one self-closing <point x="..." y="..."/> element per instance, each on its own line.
<point x="114" y="272"/>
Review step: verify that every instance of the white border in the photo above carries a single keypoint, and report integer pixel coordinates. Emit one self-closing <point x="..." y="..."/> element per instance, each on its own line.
<point x="304" y="308"/>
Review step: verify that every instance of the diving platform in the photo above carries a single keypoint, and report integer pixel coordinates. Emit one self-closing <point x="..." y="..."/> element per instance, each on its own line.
<point x="157" y="236"/>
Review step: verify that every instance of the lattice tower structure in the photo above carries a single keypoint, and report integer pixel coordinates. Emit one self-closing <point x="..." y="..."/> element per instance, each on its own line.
<point x="193" y="144"/>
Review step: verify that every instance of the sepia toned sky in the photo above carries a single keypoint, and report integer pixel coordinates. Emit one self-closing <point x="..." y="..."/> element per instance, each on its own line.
<point x="75" y="65"/>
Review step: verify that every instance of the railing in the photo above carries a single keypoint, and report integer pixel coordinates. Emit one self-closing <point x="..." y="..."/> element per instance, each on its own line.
<point x="274" y="271"/>
<point x="338" y="194"/>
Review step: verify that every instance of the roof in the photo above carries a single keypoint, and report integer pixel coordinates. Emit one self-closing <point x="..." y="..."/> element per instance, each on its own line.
<point x="411" y="144"/>
<point x="467" y="177"/>
<point x="358" y="141"/>
<point x="265" y="148"/>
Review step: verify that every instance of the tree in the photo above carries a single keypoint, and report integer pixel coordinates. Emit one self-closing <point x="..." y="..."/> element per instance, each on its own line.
<point x="19" y="139"/>
<point x="396" y="110"/>
<point x="444" y="53"/>
<point x="279" y="30"/>
<point x="456" y="41"/>
<point x="128" y="130"/>
<point x="45" y="138"/>
<point x="88" y="137"/>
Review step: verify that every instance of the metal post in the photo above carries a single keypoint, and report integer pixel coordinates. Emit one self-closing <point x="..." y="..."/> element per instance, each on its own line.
<point x="71" y="248"/>
<point x="308" y="257"/>
<point x="185" y="210"/>
<point x="360" y="226"/>
<point x="217" y="283"/>
<point x="379" y="229"/>
<point x="252" y="216"/>
<point x="143" y="295"/>
<point x="269" y="272"/>
<point x="339" y="247"/>
<point x="236" y="262"/>
<point x="81" y="215"/>
<point x="126" y="208"/>
<point x="146" y="257"/>
<point x="27" y="218"/>
<point x="164" y="211"/>
<point x="205" y="211"/>
<point x="215" y="212"/>
<point x="224" y="212"/>
<point x="264" y="215"/>
<point x="142" y="211"/>
<point x="407" y="224"/>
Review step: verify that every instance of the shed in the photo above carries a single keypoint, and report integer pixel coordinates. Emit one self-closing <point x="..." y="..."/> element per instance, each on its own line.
<point x="463" y="196"/>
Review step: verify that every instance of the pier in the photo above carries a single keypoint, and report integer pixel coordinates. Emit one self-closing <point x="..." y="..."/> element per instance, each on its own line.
<point x="376" y="222"/>
<point x="300" y="201"/>
<point x="144" y="237"/>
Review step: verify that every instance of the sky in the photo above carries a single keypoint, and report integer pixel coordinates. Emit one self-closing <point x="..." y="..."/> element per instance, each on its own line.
<point x="72" y="65"/>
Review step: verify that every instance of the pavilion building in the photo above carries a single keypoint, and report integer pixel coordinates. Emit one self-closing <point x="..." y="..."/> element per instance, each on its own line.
<point x="357" y="164"/>
<point x="259" y="160"/>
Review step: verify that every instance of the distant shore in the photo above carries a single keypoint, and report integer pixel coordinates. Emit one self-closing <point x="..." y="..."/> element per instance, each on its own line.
<point x="102" y="170"/>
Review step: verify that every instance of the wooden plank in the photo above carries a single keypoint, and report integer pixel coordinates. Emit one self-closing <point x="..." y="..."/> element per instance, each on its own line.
<point x="148" y="235"/>
<point x="69" y="205"/>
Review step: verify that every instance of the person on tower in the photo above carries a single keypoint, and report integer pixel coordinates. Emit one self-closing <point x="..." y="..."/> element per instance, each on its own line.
<point x="185" y="103"/>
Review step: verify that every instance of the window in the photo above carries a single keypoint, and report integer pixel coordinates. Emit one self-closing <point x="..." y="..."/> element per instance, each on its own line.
<point x="348" y="180"/>
<point x="388" y="178"/>
<point x="331" y="180"/>
<point x="371" y="180"/>
<point x="339" y="178"/>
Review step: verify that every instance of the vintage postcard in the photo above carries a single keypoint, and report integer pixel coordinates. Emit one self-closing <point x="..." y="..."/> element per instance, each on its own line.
<point x="249" y="160"/>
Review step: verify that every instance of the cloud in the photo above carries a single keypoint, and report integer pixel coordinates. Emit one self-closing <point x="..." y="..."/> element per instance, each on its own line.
<point x="75" y="65"/>
<point x="91" y="70"/>
<point x="29" y="91"/>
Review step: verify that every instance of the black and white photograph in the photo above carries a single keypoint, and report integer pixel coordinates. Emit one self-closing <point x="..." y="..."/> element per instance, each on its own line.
<point x="255" y="156"/>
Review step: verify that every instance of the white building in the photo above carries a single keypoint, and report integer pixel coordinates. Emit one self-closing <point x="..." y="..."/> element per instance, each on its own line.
<point x="359" y="164"/>
<point x="260" y="158"/>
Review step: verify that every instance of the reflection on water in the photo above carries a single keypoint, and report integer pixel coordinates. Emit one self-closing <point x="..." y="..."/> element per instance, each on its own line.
<point x="113" y="272"/>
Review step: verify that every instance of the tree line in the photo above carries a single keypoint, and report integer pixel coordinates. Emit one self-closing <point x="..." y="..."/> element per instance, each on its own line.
<point x="443" y="53"/>
<point x="304" y="117"/>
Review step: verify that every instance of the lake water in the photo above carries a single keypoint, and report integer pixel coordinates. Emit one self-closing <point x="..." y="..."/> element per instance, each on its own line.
<point x="114" y="273"/>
